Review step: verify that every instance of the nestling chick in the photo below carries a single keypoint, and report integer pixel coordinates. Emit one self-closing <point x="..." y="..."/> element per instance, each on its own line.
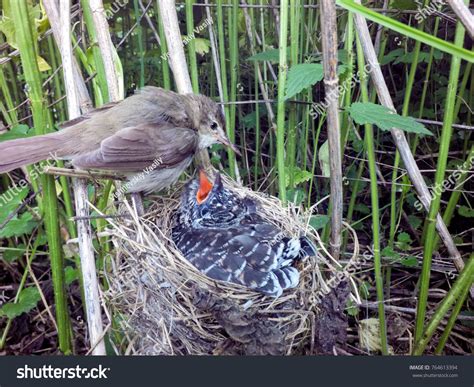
<point x="225" y="238"/>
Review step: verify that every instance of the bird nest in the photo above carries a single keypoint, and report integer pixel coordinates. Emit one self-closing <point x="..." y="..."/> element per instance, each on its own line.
<point x="163" y="305"/>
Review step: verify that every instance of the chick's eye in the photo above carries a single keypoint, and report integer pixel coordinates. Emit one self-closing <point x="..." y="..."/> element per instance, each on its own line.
<point x="214" y="125"/>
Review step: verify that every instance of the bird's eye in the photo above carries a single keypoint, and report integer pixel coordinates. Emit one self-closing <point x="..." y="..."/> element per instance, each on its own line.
<point x="214" y="125"/>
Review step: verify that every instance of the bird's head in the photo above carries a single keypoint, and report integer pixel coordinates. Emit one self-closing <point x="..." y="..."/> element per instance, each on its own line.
<point x="211" y="126"/>
<point x="210" y="204"/>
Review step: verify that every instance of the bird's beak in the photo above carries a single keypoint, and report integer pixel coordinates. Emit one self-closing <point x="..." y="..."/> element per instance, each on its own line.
<point x="222" y="138"/>
<point x="205" y="186"/>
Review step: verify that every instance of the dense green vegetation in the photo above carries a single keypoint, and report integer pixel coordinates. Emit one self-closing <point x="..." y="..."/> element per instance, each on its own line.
<point x="265" y="64"/>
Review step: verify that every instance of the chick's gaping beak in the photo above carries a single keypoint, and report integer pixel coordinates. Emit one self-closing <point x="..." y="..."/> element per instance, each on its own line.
<point x="223" y="139"/>
<point x="205" y="187"/>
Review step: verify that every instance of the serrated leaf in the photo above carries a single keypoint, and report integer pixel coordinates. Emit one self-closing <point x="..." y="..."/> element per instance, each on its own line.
<point x="388" y="252"/>
<point x="409" y="261"/>
<point x="202" y="46"/>
<point x="404" y="237"/>
<point x="352" y="308"/>
<point x="414" y="221"/>
<point x="13" y="254"/>
<point x="272" y="55"/>
<point x="296" y="196"/>
<point x="323" y="157"/>
<point x="10" y="200"/>
<point x="18" y="226"/>
<point x="302" y="76"/>
<point x="18" y="131"/>
<point x="318" y="221"/>
<point x="384" y="118"/>
<point x="28" y="299"/>
<point x="466" y="212"/>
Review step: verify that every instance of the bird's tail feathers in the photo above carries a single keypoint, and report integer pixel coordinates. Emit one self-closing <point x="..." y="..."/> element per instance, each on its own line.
<point x="24" y="151"/>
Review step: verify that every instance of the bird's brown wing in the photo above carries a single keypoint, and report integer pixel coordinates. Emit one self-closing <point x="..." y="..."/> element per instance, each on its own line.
<point x="88" y="115"/>
<point x="136" y="148"/>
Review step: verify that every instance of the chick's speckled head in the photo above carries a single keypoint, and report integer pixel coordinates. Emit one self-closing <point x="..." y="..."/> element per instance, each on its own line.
<point x="204" y="203"/>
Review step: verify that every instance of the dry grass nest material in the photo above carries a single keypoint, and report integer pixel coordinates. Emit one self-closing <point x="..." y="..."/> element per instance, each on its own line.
<point x="164" y="305"/>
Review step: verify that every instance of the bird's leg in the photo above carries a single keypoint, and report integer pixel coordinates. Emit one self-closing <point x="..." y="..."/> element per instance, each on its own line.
<point x="137" y="201"/>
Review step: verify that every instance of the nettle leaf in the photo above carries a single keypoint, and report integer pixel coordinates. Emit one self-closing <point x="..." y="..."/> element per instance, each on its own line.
<point x="302" y="76"/>
<point x="272" y="55"/>
<point x="10" y="200"/>
<point x="392" y="55"/>
<point x="202" y="46"/>
<point x="13" y="254"/>
<point x="19" y="225"/>
<point x="70" y="275"/>
<point x="466" y="212"/>
<point x="28" y="299"/>
<point x="388" y="252"/>
<point x="414" y="221"/>
<point x="318" y="221"/>
<point x="296" y="196"/>
<point x="410" y="261"/>
<point x="299" y="175"/>
<point x="384" y="118"/>
<point x="18" y="131"/>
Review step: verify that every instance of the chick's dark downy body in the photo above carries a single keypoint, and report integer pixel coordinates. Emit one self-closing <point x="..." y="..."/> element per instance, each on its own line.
<point x="226" y="239"/>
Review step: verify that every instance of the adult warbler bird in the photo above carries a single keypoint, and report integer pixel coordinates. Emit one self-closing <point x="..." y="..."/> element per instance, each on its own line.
<point x="155" y="130"/>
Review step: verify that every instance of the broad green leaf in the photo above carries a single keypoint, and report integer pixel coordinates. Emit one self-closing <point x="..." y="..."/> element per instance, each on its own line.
<point x="409" y="261"/>
<point x="296" y="196"/>
<point x="414" y="221"/>
<point x="70" y="275"/>
<point x="323" y="156"/>
<point x="272" y="55"/>
<point x="42" y="64"/>
<point x="392" y="55"/>
<point x="466" y="212"/>
<point x="202" y="46"/>
<point x="299" y="176"/>
<point x="27" y="300"/>
<point x="13" y="254"/>
<point x="388" y="252"/>
<point x="10" y="200"/>
<point x="19" y="225"/>
<point x="18" y="131"/>
<point x="302" y="76"/>
<point x="351" y="308"/>
<point x="318" y="221"/>
<point x="384" y="118"/>
<point x="404" y="241"/>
